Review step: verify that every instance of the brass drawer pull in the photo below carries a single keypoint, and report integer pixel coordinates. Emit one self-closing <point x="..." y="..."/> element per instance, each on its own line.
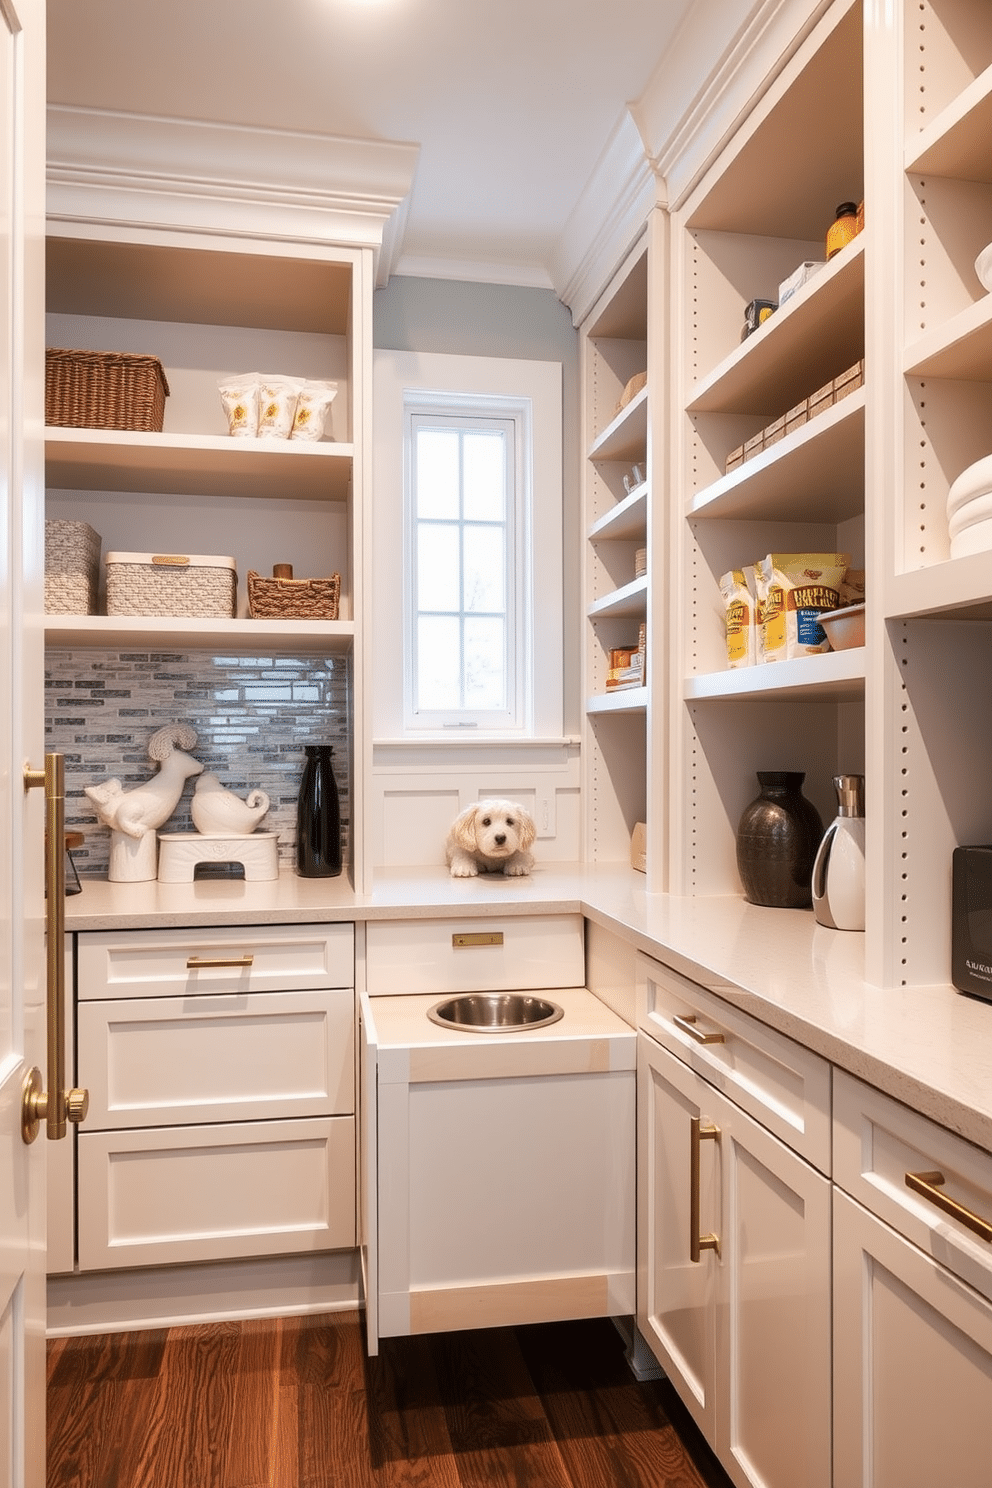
<point x="687" y="1023"/>
<point x="929" y="1186"/>
<point x="466" y="940"/>
<point x="197" y="963"/>
<point x="698" y="1132"/>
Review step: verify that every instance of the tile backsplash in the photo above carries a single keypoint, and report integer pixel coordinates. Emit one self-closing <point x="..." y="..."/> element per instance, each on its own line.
<point x="252" y="716"/>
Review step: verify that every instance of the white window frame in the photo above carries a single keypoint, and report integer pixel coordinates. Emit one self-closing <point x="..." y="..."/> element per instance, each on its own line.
<point x="481" y="413"/>
<point x="404" y="380"/>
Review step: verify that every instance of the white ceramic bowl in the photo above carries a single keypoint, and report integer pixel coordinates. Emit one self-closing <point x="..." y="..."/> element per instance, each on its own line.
<point x="845" y="628"/>
<point x="983" y="267"/>
<point x="973" y="482"/>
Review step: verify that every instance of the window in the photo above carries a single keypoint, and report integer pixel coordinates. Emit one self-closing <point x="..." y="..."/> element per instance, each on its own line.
<point x="465" y="509"/>
<point x="466" y="549"/>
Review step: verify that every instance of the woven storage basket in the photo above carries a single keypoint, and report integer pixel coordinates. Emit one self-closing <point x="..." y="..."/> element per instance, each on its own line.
<point x="104" y="390"/>
<point x="293" y="599"/>
<point x="194" y="585"/>
<point x="72" y="568"/>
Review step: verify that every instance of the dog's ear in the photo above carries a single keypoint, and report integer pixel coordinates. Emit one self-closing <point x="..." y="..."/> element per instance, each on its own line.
<point x="528" y="831"/>
<point x="464" y="829"/>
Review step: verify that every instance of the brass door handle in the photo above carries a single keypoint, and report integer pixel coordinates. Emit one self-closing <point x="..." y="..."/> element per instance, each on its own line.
<point x="698" y="1133"/>
<point x="929" y="1186"/>
<point x="687" y="1023"/>
<point x="56" y="1105"/>
<point x="197" y="963"/>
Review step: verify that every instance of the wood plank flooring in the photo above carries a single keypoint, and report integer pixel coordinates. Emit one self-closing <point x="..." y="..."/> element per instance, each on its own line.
<point x="294" y="1403"/>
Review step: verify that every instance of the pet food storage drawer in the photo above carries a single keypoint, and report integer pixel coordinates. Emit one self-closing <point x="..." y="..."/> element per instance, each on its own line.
<point x="523" y="952"/>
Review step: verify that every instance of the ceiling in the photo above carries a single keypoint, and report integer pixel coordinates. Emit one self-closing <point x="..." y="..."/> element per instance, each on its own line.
<point x="512" y="105"/>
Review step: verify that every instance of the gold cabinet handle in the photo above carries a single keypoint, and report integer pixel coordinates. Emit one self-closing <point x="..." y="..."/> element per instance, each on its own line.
<point x="929" y="1186"/>
<point x="687" y="1023"/>
<point x="699" y="1132"/>
<point x="197" y="963"/>
<point x="465" y="940"/>
<point x="56" y="1105"/>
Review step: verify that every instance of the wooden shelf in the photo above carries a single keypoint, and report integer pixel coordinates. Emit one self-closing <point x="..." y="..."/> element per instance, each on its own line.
<point x="961" y="348"/>
<point x="817" y="334"/>
<point x="956" y="143"/>
<point x="204" y="464"/>
<point x="824" y="460"/>
<point x="627" y="519"/>
<point x="163" y="633"/>
<point x="835" y="674"/>
<point x="630" y="600"/>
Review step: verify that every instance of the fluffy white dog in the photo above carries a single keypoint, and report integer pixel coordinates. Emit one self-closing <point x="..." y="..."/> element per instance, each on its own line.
<point x="490" y="837"/>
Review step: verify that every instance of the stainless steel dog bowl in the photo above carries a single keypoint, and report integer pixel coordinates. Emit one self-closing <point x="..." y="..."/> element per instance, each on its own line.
<point x="494" y="1012"/>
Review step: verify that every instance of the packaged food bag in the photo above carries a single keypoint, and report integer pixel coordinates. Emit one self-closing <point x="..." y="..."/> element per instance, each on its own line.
<point x="277" y="399"/>
<point x="239" y="395"/>
<point x="852" y="590"/>
<point x="794" y="589"/>
<point x="312" y="405"/>
<point x="738" y="590"/>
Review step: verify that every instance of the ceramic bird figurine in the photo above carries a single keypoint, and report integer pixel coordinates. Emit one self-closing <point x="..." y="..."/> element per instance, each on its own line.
<point x="147" y="806"/>
<point x="218" y="811"/>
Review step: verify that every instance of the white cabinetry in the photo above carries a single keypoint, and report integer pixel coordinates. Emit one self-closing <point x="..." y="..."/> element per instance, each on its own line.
<point x="912" y="1298"/>
<point x="734" y="1229"/>
<point x="221" y="1073"/>
<point x="208" y="305"/>
<point x="498" y="1168"/>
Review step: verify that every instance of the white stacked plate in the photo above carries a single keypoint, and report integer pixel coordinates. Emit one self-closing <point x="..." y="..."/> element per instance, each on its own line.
<point x="983" y="267"/>
<point x="969" y="510"/>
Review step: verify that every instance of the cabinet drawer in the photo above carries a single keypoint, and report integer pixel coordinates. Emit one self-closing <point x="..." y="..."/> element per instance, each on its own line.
<point x="488" y="954"/>
<point x="209" y="1193"/>
<point x="189" y="963"/>
<point x="878" y="1143"/>
<point x="774" y="1079"/>
<point x="171" y="1060"/>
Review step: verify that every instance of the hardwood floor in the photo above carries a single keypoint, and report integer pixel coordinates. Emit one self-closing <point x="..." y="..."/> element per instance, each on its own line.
<point x="294" y="1403"/>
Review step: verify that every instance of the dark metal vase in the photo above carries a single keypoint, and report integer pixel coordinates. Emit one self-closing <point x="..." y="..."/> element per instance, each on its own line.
<point x="318" y="816"/>
<point x="776" y="842"/>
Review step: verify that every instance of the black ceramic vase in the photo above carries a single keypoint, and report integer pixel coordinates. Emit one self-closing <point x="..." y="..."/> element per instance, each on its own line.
<point x="776" y="842"/>
<point x="318" y="816"/>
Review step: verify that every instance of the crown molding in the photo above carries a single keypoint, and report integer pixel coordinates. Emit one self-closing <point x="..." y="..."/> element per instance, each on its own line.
<point x="474" y="271"/>
<point x="608" y="217"/>
<point x="693" y="104"/>
<point x="186" y="174"/>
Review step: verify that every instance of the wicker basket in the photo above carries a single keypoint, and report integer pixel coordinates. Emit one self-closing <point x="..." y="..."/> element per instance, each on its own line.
<point x="72" y="568"/>
<point x="104" y="390"/>
<point x="293" y="599"/>
<point x="177" y="584"/>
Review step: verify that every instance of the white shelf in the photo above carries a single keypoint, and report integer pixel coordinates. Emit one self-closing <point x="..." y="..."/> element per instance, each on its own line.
<point x="200" y="464"/>
<point x="960" y="589"/>
<point x="625" y="437"/>
<point x="627" y="700"/>
<point x="961" y="348"/>
<point x="817" y="334"/>
<point x="153" y="632"/>
<point x="627" y="519"/>
<point x="956" y="143"/>
<point x="630" y="600"/>
<point x="835" y="674"/>
<point x="824" y="460"/>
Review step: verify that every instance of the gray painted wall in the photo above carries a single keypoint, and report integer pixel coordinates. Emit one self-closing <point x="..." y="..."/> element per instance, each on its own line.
<point x="500" y="320"/>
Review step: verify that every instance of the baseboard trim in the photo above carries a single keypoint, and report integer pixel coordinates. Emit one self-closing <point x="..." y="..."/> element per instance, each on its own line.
<point x="170" y="1296"/>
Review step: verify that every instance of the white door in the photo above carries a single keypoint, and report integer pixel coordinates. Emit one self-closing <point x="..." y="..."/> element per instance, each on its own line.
<point x="22" y="1012"/>
<point x="368" y="1168"/>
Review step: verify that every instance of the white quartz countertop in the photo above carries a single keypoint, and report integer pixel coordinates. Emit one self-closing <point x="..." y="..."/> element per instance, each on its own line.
<point x="930" y="1047"/>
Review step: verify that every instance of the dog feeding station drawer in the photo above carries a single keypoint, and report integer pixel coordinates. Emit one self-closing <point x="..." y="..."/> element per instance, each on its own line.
<point x="465" y="955"/>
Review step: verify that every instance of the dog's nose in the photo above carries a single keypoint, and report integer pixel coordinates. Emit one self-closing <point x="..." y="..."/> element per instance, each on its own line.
<point x="500" y="838"/>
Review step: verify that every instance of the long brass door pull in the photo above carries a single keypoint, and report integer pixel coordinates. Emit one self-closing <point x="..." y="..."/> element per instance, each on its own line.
<point x="929" y="1185"/>
<point x="699" y="1132"/>
<point x="56" y="1105"/>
